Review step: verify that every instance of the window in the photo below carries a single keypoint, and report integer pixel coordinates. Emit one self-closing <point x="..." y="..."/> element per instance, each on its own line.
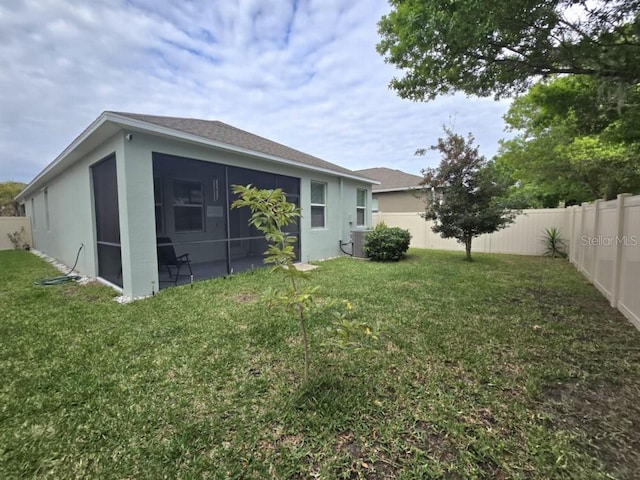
<point x="157" y="196"/>
<point x="374" y="206"/>
<point x="187" y="206"/>
<point x="46" y="210"/>
<point x="318" y="204"/>
<point x="361" y="207"/>
<point x="33" y="213"/>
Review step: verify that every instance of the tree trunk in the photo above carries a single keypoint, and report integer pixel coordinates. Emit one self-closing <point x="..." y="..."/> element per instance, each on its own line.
<point x="467" y="248"/>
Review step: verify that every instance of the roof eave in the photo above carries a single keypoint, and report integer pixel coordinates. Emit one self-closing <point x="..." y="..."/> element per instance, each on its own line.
<point x="189" y="137"/>
<point x="140" y="125"/>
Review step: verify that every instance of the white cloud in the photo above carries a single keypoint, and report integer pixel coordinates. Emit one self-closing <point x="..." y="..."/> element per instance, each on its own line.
<point x="304" y="73"/>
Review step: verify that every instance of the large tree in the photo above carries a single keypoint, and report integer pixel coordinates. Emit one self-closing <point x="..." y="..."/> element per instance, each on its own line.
<point x="471" y="201"/>
<point x="8" y="206"/>
<point x="500" y="47"/>
<point x="571" y="146"/>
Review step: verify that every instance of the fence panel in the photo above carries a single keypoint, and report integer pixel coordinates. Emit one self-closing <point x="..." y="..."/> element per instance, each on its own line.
<point x="629" y="278"/>
<point x="604" y="247"/>
<point x="588" y="232"/>
<point x="12" y="225"/>
<point x="523" y="237"/>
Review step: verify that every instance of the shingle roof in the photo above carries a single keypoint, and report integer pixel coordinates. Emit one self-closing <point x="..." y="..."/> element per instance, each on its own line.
<point x="390" y="179"/>
<point x="221" y="132"/>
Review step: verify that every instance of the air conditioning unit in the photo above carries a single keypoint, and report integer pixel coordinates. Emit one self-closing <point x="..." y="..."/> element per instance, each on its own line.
<point x="358" y="237"/>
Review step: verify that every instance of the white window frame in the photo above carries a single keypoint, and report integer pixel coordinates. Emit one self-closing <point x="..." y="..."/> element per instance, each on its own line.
<point x="319" y="205"/>
<point x="177" y="203"/>
<point x="159" y="202"/>
<point x="33" y="214"/>
<point x="361" y="208"/>
<point x="46" y="210"/>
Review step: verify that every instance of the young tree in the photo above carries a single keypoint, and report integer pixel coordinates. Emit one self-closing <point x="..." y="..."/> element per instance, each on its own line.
<point x="500" y="47"/>
<point x="270" y="213"/>
<point x="472" y="191"/>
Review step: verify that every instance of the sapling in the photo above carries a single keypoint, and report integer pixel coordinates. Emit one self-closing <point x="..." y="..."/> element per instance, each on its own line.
<point x="270" y="213"/>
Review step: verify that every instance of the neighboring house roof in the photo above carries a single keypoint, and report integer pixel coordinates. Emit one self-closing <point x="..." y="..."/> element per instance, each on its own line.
<point x="206" y="132"/>
<point x="391" y="180"/>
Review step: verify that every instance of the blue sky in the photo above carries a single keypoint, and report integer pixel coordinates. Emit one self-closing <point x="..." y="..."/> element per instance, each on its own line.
<point x="303" y="73"/>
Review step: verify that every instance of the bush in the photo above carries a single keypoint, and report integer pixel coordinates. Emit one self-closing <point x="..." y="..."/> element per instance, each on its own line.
<point x="387" y="243"/>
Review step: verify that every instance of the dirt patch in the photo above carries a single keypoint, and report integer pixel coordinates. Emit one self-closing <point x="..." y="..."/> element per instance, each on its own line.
<point x="557" y="306"/>
<point x="381" y="468"/>
<point x="346" y="442"/>
<point x="425" y="437"/>
<point x="244" y="297"/>
<point x="608" y="418"/>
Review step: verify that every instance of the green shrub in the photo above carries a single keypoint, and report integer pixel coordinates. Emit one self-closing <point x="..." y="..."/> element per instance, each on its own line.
<point x="387" y="243"/>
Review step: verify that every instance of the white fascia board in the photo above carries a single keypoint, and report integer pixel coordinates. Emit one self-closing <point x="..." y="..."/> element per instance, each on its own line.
<point x="170" y="132"/>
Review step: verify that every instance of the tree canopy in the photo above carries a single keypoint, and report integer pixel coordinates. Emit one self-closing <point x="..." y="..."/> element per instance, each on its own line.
<point x="500" y="47"/>
<point x="472" y="192"/>
<point x="572" y="145"/>
<point x="8" y="191"/>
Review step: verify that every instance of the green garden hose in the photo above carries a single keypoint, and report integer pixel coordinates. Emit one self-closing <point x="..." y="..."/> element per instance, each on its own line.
<point x="63" y="278"/>
<point x="58" y="280"/>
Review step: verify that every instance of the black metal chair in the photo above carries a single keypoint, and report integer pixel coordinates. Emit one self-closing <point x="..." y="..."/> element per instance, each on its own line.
<point x="167" y="258"/>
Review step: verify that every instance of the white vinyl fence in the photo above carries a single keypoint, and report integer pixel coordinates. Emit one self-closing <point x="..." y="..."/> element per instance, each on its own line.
<point x="12" y="225"/>
<point x="603" y="239"/>
<point x="605" y="247"/>
<point x="523" y="237"/>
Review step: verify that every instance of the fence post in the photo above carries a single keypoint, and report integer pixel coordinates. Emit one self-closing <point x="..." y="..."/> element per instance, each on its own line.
<point x="583" y="249"/>
<point x="617" y="264"/>
<point x="596" y="249"/>
<point x="572" y="227"/>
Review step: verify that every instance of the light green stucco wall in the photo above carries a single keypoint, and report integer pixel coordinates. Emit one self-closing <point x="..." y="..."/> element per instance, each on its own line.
<point x="72" y="218"/>
<point x="316" y="244"/>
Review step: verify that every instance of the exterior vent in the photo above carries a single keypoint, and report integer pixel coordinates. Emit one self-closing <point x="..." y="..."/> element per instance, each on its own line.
<point x="357" y="237"/>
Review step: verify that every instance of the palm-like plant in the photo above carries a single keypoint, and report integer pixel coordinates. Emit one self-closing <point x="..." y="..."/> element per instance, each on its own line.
<point x="555" y="245"/>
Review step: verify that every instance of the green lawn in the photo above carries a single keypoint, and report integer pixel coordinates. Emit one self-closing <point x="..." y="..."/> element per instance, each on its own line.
<point x="509" y="367"/>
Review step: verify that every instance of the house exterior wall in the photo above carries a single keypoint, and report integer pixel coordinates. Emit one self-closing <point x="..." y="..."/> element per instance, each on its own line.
<point x="403" y="201"/>
<point x="70" y="211"/>
<point x="316" y="244"/>
<point x="71" y="217"/>
<point x="137" y="217"/>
